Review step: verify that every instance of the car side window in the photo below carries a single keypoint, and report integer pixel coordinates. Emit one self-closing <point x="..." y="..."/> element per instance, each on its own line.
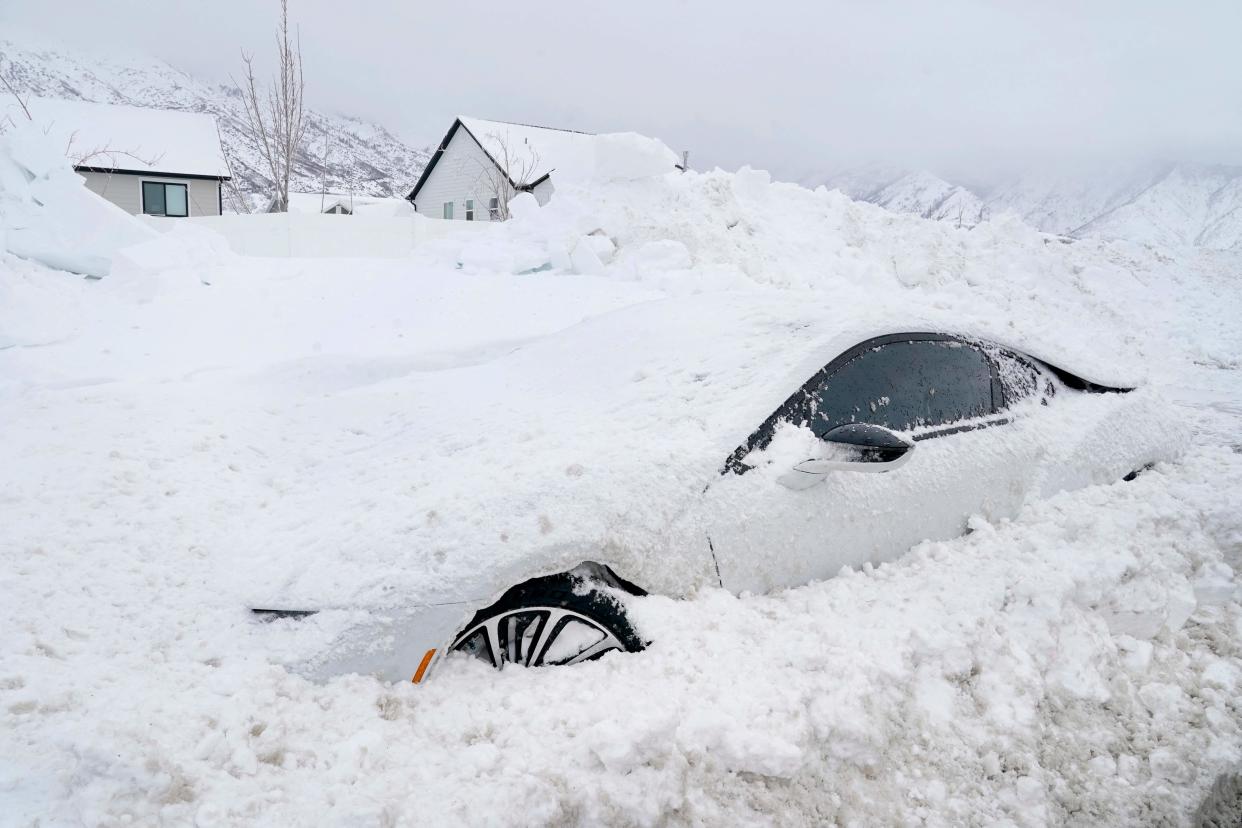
<point x="904" y="381"/>
<point x="1019" y="378"/>
<point x="904" y="385"/>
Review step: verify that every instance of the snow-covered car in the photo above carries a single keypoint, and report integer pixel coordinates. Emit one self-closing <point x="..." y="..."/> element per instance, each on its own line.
<point x="697" y="442"/>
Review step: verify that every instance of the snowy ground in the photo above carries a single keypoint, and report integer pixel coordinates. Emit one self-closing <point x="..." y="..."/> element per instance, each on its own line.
<point x="150" y="419"/>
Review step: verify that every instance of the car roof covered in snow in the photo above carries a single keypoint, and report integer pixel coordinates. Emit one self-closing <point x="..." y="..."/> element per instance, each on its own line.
<point x="131" y="138"/>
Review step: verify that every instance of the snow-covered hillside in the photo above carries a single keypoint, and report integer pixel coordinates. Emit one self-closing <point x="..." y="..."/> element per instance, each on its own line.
<point x="343" y="153"/>
<point x="1168" y="205"/>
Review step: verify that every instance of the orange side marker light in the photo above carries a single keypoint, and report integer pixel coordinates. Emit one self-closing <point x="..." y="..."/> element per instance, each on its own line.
<point x="422" y="668"/>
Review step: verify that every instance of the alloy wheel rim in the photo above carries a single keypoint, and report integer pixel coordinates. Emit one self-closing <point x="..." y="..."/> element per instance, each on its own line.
<point x="537" y="636"/>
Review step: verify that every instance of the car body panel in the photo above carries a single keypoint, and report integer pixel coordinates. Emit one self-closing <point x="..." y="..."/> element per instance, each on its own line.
<point x="850" y="518"/>
<point x="602" y="443"/>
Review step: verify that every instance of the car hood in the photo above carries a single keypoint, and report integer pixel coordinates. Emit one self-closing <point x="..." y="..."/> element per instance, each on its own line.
<point x="593" y="439"/>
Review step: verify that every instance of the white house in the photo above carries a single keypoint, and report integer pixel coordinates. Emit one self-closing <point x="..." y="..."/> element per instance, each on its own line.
<point x="158" y="162"/>
<point x="480" y="165"/>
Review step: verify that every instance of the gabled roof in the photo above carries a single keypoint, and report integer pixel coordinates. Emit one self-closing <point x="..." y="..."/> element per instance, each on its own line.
<point x="130" y="138"/>
<point x="536" y="150"/>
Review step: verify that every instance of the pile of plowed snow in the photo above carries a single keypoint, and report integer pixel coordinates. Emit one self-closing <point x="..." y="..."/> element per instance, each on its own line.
<point x="168" y="424"/>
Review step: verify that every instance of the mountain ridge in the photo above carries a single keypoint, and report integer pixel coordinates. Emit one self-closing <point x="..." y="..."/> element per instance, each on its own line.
<point x="341" y="154"/>
<point x="1163" y="203"/>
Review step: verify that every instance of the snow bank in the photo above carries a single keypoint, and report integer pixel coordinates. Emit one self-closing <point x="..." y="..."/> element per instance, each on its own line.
<point x="1087" y="302"/>
<point x="48" y="215"/>
<point x="621" y="156"/>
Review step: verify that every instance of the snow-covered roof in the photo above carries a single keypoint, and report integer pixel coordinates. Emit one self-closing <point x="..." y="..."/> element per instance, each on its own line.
<point x="353" y="203"/>
<point x="534" y="150"/>
<point x="530" y="154"/>
<point x="131" y="138"/>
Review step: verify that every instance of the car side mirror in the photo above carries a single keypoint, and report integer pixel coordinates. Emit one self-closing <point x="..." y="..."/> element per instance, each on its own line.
<point x="860" y="447"/>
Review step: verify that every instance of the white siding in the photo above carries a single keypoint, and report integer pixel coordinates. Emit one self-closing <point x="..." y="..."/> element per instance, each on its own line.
<point x="461" y="174"/>
<point x="125" y="191"/>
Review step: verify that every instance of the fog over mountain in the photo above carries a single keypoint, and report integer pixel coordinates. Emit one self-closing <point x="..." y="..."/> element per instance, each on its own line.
<point x="1163" y="203"/>
<point x="1167" y="203"/>
<point x="964" y="87"/>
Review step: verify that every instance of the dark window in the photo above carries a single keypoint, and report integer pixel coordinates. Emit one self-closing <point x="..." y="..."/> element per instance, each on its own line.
<point x="493" y="209"/>
<point x="469" y="209"/>
<point x="905" y="385"/>
<point x="162" y="199"/>
<point x="907" y="381"/>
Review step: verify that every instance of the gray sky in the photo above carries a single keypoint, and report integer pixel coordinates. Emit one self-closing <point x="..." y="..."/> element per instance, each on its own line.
<point x="961" y="86"/>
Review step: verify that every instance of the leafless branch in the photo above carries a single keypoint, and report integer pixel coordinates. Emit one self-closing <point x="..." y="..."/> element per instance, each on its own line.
<point x="237" y="198"/>
<point x="275" y="116"/>
<point x="9" y="86"/>
<point x="107" y="151"/>
<point x="510" y="175"/>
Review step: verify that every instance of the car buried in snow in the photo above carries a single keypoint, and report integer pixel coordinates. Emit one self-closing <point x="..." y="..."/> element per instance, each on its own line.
<point x="744" y="442"/>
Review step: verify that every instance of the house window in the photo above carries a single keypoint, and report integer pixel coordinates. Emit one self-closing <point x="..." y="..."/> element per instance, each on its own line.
<point x="469" y="209"/>
<point x="493" y="209"/>
<point x="161" y="199"/>
<point x="448" y="209"/>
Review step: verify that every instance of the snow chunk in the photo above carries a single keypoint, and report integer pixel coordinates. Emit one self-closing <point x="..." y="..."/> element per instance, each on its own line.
<point x="1141" y="608"/>
<point x="524" y="206"/>
<point x="751" y="184"/>
<point x="52" y="218"/>
<point x="1166" y="764"/>
<point x="1214" y="584"/>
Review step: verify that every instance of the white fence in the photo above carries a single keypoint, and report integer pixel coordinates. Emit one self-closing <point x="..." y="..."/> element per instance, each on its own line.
<point x="327" y="236"/>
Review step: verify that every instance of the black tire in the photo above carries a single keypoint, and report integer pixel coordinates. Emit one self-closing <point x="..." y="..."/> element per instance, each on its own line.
<point x="555" y="620"/>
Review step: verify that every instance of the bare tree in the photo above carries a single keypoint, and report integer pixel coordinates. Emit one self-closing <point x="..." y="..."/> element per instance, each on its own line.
<point x="237" y="199"/>
<point x="513" y="173"/>
<point x="4" y="78"/>
<point x="323" y="182"/>
<point x="274" y="117"/>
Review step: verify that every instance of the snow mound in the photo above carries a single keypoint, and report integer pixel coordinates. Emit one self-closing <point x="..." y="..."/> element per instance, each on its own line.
<point x="723" y="231"/>
<point x="47" y="214"/>
<point x="628" y="156"/>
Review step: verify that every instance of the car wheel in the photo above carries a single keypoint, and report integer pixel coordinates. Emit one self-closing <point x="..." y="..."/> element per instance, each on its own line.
<point x="557" y="620"/>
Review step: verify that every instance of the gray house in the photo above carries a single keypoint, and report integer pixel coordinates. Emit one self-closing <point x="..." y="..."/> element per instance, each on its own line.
<point x="157" y="162"/>
<point x="480" y="165"/>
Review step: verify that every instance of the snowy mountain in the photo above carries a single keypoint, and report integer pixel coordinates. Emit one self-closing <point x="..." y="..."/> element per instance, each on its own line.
<point x="344" y="154"/>
<point x="929" y="196"/>
<point x="1170" y="205"/>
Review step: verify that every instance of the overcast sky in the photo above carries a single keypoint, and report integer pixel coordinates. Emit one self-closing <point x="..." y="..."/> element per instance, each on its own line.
<point x="960" y="86"/>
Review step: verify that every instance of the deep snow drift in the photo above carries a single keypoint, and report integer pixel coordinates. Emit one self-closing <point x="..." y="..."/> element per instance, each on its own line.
<point x="183" y="430"/>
